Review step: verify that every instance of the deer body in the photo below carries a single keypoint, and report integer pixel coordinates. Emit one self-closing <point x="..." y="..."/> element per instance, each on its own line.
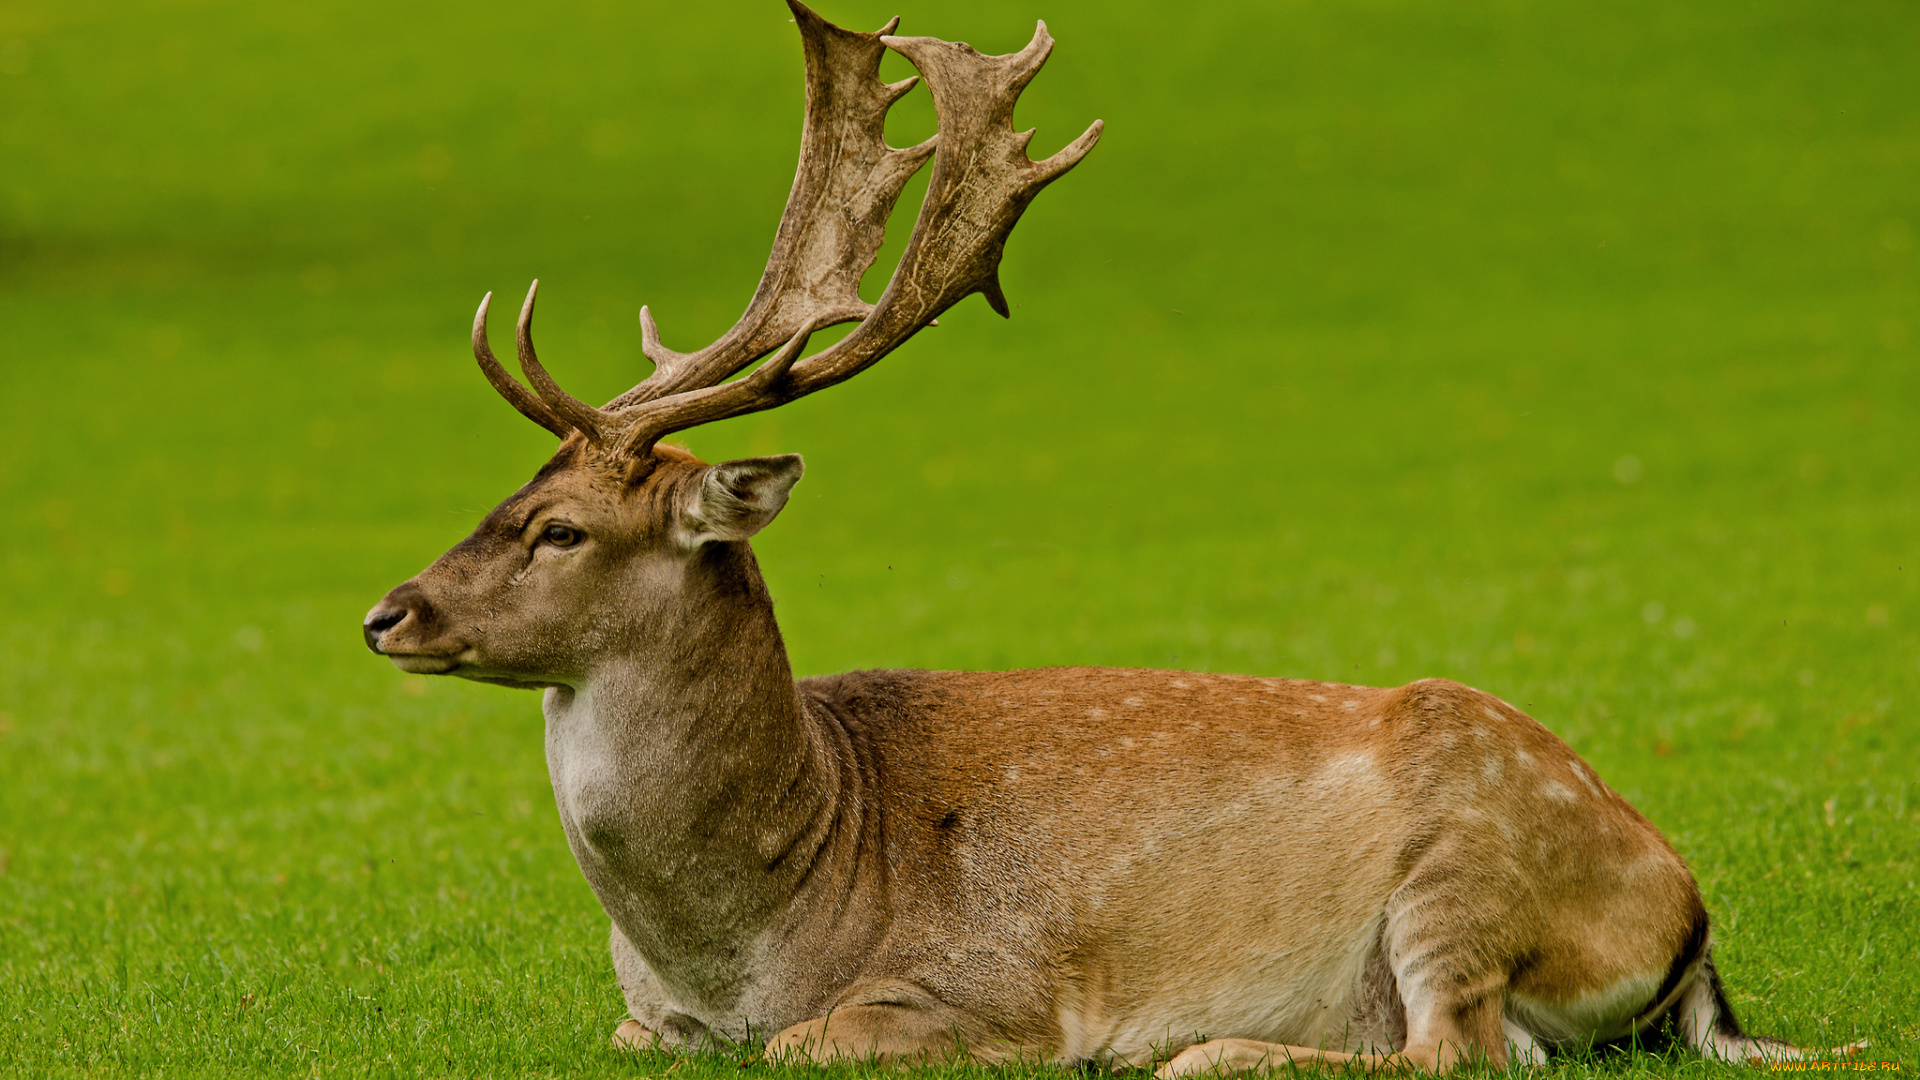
<point x="1079" y="863"/>
<point x="1088" y="864"/>
<point x="1073" y="864"/>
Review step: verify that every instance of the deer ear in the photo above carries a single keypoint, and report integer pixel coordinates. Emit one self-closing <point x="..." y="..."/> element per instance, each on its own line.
<point x="736" y="499"/>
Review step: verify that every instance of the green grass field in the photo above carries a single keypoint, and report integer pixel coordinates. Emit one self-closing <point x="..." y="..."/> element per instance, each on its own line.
<point x="1571" y="351"/>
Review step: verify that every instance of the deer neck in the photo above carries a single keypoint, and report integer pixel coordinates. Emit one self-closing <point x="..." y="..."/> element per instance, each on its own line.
<point x="695" y="791"/>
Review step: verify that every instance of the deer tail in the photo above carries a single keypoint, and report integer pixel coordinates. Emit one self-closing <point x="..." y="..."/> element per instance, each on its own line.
<point x="1704" y="1020"/>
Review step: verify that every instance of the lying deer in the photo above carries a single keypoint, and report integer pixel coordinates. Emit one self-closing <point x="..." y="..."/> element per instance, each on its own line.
<point x="1076" y="864"/>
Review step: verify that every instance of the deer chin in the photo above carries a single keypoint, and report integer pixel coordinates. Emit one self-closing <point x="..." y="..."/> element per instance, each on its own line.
<point x="507" y="681"/>
<point x="425" y="663"/>
<point x="467" y="664"/>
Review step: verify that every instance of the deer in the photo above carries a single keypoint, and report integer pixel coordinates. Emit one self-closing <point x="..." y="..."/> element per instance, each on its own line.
<point x="1135" y="868"/>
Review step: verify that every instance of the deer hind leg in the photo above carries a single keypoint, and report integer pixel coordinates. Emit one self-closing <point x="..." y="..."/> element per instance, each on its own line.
<point x="1456" y="1024"/>
<point x="1447" y="941"/>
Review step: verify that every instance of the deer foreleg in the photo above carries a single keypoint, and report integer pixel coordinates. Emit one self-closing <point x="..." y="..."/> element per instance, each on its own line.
<point x="879" y="1033"/>
<point x="633" y="1035"/>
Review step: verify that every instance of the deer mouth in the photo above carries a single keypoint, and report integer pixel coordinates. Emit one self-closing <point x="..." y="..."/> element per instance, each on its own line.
<point x="425" y="663"/>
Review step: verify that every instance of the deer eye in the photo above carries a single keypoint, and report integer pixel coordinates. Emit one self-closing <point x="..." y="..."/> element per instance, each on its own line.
<point x="561" y="535"/>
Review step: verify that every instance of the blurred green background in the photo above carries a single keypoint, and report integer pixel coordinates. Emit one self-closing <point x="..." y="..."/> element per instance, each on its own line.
<point x="1566" y="350"/>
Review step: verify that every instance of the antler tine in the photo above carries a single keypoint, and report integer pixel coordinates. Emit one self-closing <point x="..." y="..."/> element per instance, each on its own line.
<point x="581" y="416"/>
<point x="982" y="182"/>
<point x="658" y="354"/>
<point x="518" y="396"/>
<point x="765" y="388"/>
<point x="835" y="219"/>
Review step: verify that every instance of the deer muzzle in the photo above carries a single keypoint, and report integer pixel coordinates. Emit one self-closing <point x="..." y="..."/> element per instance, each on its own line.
<point x="401" y="628"/>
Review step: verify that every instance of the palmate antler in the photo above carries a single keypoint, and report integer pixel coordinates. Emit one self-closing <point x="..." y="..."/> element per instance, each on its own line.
<point x="835" y="220"/>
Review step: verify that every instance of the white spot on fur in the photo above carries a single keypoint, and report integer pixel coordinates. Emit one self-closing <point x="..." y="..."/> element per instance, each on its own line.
<point x="1525" y="759"/>
<point x="1133" y="701"/>
<point x="1493" y="714"/>
<point x="1097" y="714"/>
<point x="1558" y="792"/>
<point x="1493" y="770"/>
<point x="1348" y="770"/>
<point x="1316" y="697"/>
<point x="1585" y="777"/>
<point x="1181" y="684"/>
<point x="1349" y="705"/>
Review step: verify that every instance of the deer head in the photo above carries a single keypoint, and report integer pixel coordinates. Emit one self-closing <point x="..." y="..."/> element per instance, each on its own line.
<point x="620" y="542"/>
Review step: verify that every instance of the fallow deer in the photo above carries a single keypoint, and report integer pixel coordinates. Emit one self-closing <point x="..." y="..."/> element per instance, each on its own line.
<point x="1076" y="864"/>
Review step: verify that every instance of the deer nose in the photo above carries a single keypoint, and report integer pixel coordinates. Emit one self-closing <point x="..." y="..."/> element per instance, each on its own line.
<point x="379" y="621"/>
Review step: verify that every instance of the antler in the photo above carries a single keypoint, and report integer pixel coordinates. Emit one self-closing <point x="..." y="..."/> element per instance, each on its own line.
<point x="835" y="220"/>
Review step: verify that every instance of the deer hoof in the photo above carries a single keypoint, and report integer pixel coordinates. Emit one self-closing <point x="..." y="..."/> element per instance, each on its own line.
<point x="632" y="1035"/>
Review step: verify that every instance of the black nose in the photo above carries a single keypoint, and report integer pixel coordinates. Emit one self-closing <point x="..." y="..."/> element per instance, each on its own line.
<point x="379" y="623"/>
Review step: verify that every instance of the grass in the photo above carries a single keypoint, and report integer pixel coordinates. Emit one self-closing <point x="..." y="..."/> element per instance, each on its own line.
<point x="1569" y="351"/>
